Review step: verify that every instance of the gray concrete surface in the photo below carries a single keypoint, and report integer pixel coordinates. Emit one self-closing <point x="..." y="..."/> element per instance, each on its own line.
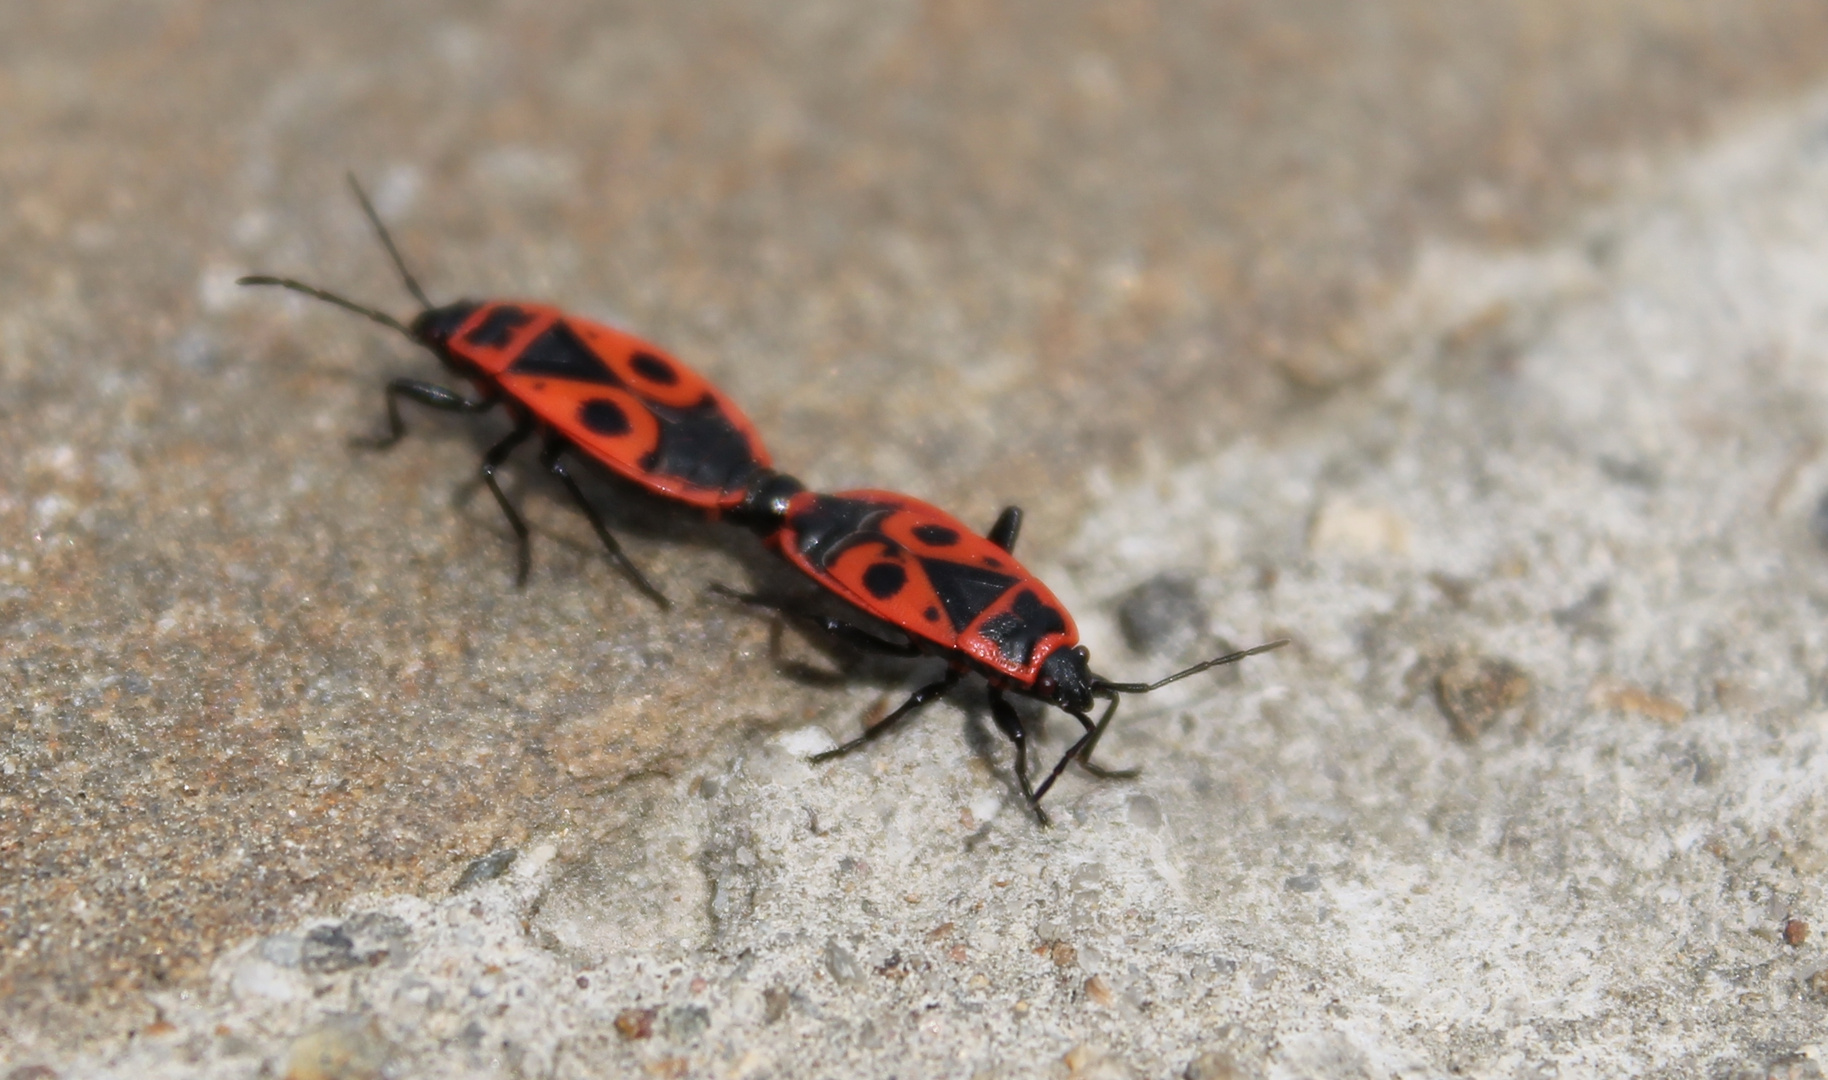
<point x="1539" y="792"/>
<point x="1055" y="252"/>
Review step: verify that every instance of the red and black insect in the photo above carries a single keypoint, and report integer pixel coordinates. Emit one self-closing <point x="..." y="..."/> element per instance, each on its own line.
<point x="591" y="389"/>
<point x="956" y="595"/>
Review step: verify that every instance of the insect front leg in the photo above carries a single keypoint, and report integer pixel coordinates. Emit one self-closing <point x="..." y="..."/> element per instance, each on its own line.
<point x="430" y="394"/>
<point x="492" y="461"/>
<point x="1097" y="732"/>
<point x="550" y="458"/>
<point x="1010" y="723"/>
<point x="1078" y="748"/>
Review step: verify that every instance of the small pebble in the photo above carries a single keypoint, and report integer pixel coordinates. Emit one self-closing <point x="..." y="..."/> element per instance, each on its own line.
<point x="685" y="1023"/>
<point x="1796" y="931"/>
<point x="1818" y="521"/>
<point x="634" y="1024"/>
<point x="842" y="965"/>
<point x="1213" y="1065"/>
<point x="486" y="868"/>
<point x="343" y="1049"/>
<point x="775" y="1001"/>
<point x="1090" y="1063"/>
<point x="1475" y="692"/>
<point x="1818" y="983"/>
<point x="1792" y="1067"/>
<point x="1626" y="698"/>
<point x="1161" y="612"/>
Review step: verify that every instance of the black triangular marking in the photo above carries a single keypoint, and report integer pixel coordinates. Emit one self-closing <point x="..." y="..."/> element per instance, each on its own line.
<point x="561" y="354"/>
<point x="497" y="327"/>
<point x="700" y="446"/>
<point x="436" y="325"/>
<point x="1018" y="630"/>
<point x="965" y="590"/>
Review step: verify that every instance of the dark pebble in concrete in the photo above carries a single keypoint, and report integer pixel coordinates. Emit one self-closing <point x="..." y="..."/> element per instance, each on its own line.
<point x="1162" y="612"/>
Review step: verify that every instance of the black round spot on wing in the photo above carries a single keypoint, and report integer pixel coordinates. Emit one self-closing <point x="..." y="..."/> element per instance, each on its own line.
<point x="604" y="417"/>
<point x="992" y="560"/>
<point x="653" y="368"/>
<point x="884" y="579"/>
<point x="936" y="535"/>
<point x="931" y="614"/>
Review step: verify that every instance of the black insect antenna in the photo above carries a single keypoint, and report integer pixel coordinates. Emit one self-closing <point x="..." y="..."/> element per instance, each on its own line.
<point x="387" y="241"/>
<point x="313" y="291"/>
<point x="412" y="283"/>
<point x="1228" y="658"/>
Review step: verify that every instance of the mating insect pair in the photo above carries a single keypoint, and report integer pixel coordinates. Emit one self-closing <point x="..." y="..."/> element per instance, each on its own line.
<point x="598" y="393"/>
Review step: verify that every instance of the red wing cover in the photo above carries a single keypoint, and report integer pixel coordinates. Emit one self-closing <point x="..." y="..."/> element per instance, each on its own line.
<point x="621" y="401"/>
<point x="911" y="564"/>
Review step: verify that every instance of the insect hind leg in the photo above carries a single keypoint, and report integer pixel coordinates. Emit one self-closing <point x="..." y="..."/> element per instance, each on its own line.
<point x="855" y="636"/>
<point x="937" y="688"/>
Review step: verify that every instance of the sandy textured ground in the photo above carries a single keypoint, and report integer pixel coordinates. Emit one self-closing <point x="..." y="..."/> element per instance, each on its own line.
<point x="1319" y="302"/>
<point x="1540" y="791"/>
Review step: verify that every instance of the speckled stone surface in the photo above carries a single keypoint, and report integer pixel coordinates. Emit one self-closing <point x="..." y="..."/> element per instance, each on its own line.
<point x="983" y="253"/>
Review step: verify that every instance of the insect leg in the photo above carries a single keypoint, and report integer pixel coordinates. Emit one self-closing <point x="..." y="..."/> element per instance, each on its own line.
<point x="1008" y="526"/>
<point x="490" y="462"/>
<point x="854" y="636"/>
<point x="915" y="700"/>
<point x="1011" y="725"/>
<point x="798" y="670"/>
<point x="549" y="457"/>
<point x="1065" y="759"/>
<point x="438" y="397"/>
<point x="1085" y="754"/>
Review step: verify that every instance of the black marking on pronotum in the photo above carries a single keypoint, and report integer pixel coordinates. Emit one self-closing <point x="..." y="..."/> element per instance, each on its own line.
<point x="700" y="446"/>
<point x="497" y="327"/>
<point x="830" y="525"/>
<point x="963" y="589"/>
<point x="436" y="325"/>
<point x="604" y="417"/>
<point x="884" y="579"/>
<point x="1017" y="631"/>
<point x="653" y="368"/>
<point x="561" y="354"/>
<point x="936" y="535"/>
